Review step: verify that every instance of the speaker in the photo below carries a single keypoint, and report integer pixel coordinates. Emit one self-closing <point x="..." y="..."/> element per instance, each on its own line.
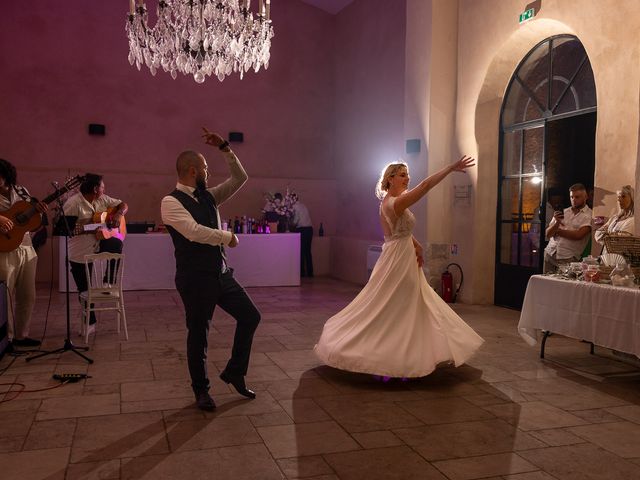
<point x="97" y="129"/>
<point x="4" y="338"/>
<point x="413" y="145"/>
<point x="236" y="137"/>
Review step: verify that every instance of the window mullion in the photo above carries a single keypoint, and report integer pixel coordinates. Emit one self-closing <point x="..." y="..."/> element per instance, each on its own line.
<point x="531" y="94"/>
<point x="550" y="82"/>
<point x="568" y="85"/>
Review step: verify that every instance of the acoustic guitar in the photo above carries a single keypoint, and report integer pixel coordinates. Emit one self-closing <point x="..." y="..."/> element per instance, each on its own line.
<point x="103" y="227"/>
<point x="26" y="217"/>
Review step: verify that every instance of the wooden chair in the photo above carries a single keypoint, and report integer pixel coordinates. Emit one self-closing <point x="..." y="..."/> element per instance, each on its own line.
<point x="104" y="278"/>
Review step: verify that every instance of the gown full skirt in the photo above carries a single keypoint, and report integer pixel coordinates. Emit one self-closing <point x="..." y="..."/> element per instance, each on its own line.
<point x="397" y="326"/>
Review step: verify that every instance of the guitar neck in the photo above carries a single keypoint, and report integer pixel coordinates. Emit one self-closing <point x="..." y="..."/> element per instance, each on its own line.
<point x="28" y="208"/>
<point x="55" y="195"/>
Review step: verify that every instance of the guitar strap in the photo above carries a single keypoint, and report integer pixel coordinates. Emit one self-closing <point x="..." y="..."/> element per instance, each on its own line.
<point x="22" y="193"/>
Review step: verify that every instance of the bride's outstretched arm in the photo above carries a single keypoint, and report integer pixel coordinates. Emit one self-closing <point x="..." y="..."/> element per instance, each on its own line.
<point x="407" y="199"/>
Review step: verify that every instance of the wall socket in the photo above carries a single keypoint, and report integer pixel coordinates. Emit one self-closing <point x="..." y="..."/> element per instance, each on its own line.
<point x="454" y="249"/>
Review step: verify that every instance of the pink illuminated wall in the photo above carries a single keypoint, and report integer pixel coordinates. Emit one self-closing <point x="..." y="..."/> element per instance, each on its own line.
<point x="369" y="122"/>
<point x="322" y="120"/>
<point x="64" y="65"/>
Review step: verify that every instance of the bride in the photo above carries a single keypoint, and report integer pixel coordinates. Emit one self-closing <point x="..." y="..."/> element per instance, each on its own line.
<point x="397" y="326"/>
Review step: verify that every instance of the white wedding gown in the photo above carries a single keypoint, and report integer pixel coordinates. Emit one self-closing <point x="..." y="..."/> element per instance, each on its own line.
<point x="397" y="326"/>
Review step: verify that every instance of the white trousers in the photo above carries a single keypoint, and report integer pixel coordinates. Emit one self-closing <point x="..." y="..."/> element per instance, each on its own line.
<point x="18" y="271"/>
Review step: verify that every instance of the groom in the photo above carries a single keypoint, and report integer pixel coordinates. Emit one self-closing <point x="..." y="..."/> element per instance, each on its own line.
<point x="203" y="278"/>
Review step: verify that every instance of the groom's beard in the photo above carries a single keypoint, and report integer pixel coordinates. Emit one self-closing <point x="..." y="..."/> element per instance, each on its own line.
<point x="201" y="183"/>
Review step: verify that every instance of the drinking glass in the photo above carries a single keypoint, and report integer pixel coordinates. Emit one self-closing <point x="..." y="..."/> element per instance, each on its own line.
<point x="592" y="274"/>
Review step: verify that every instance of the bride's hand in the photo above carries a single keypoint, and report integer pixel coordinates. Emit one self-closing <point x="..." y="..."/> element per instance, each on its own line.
<point x="462" y="164"/>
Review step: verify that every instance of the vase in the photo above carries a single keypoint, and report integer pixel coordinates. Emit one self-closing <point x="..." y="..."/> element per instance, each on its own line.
<point x="283" y="224"/>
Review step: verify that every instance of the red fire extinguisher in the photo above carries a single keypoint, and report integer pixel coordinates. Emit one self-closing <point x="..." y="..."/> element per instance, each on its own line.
<point x="448" y="294"/>
<point x="447" y="286"/>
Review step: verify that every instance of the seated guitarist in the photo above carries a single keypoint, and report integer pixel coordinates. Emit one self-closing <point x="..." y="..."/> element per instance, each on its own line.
<point x="85" y="204"/>
<point x="17" y="267"/>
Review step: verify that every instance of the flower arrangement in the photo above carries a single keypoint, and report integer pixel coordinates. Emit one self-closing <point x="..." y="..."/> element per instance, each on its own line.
<point x="278" y="204"/>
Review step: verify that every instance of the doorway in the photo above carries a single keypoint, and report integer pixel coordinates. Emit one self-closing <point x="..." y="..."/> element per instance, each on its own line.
<point x="571" y="154"/>
<point x="547" y="140"/>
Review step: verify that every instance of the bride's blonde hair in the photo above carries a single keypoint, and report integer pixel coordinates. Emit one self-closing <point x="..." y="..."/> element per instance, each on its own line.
<point x="382" y="187"/>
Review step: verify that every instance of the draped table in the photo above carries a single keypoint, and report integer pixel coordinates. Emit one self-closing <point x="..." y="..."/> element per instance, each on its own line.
<point x="258" y="261"/>
<point x="601" y="314"/>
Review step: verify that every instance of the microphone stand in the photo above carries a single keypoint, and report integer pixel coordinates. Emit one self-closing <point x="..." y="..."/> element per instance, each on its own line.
<point x="68" y="345"/>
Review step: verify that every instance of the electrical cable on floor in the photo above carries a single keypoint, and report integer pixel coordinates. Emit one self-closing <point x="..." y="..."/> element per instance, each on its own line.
<point x="11" y="352"/>
<point x="10" y="363"/>
<point x="24" y="389"/>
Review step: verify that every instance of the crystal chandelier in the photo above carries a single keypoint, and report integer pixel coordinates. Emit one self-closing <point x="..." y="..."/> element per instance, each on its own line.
<point x="200" y="37"/>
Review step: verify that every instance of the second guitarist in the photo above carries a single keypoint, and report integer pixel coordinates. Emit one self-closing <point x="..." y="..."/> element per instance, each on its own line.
<point x="84" y="205"/>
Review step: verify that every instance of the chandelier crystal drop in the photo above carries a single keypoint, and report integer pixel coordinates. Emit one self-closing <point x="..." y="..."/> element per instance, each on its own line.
<point x="200" y="37"/>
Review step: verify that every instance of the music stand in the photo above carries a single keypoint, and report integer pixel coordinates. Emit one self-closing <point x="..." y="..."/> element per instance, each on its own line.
<point x="64" y="227"/>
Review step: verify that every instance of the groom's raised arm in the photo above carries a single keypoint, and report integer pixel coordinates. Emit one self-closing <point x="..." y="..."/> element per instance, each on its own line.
<point x="231" y="185"/>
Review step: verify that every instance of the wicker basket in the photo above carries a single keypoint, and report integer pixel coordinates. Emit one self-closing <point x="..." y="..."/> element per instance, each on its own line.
<point x="626" y="245"/>
<point x="605" y="271"/>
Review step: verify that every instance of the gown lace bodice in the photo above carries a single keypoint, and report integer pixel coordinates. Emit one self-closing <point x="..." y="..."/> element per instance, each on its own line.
<point x="396" y="227"/>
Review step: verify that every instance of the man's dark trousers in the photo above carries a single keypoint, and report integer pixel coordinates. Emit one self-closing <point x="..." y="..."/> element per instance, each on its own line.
<point x="200" y="294"/>
<point x="306" y="261"/>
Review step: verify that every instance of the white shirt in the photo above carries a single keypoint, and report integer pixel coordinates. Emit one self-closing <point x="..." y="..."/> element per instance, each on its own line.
<point x="301" y="217"/>
<point x="176" y="216"/>
<point x="78" y="206"/>
<point x="565" y="248"/>
<point x="7" y="203"/>
<point x="614" y="224"/>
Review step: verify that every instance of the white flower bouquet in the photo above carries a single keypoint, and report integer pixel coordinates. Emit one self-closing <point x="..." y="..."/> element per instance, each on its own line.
<point x="278" y="205"/>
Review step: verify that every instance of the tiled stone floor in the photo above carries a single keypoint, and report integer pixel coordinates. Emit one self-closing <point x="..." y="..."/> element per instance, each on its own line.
<point x="505" y="415"/>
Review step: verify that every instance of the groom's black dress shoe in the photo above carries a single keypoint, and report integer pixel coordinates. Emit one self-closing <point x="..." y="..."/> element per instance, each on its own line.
<point x="238" y="383"/>
<point x="205" y="402"/>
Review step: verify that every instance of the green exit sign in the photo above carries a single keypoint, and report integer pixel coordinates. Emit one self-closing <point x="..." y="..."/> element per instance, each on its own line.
<point x="527" y="15"/>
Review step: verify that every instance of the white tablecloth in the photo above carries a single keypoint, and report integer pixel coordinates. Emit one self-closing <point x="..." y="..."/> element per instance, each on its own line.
<point x="258" y="261"/>
<point x="604" y="315"/>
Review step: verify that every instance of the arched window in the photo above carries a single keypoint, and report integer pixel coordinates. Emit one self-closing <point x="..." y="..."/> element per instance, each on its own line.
<point x="554" y="81"/>
<point x="555" y="78"/>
